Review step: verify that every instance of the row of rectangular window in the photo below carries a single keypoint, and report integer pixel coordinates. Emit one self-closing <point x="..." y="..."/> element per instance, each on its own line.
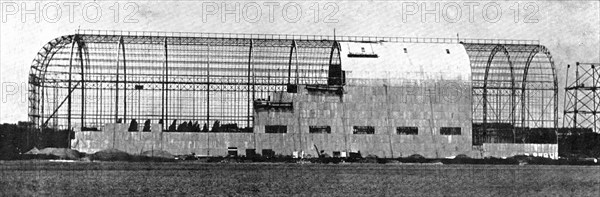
<point x="406" y="130"/>
<point x="363" y="130"/>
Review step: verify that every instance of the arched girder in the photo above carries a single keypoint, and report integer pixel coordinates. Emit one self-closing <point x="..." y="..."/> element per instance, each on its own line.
<point x="492" y="55"/>
<point x="55" y="45"/>
<point x="49" y="51"/>
<point x="335" y="75"/>
<point x="550" y="59"/>
<point x="334" y="47"/>
<point x="292" y="49"/>
<point x="532" y="54"/>
<point x="38" y="71"/>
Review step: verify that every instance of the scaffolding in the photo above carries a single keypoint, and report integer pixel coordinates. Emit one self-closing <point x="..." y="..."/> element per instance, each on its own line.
<point x="96" y="77"/>
<point x="582" y="97"/>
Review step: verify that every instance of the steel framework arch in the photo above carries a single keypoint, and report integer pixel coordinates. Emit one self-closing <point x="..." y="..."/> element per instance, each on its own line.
<point x="89" y="79"/>
<point x="518" y="88"/>
<point x="107" y="76"/>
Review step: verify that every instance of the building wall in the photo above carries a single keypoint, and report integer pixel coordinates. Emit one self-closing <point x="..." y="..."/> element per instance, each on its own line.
<point x="508" y="150"/>
<point x="341" y="113"/>
<point x="383" y="107"/>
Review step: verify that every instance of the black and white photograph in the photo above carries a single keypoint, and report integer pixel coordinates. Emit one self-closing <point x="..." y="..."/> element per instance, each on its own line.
<point x="299" y="98"/>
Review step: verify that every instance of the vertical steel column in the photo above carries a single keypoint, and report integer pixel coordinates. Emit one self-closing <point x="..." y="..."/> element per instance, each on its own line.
<point x="555" y="98"/>
<point x="297" y="83"/>
<point x="101" y="109"/>
<point x="98" y="101"/>
<point x="162" y="92"/>
<point x="41" y="91"/>
<point x="249" y="66"/>
<point x="82" y="83"/>
<point x="253" y="99"/>
<point x="594" y="95"/>
<point x="194" y="102"/>
<point x="139" y="105"/>
<point x="70" y="83"/>
<point x="576" y="95"/>
<point x="208" y="99"/>
<point x="208" y="86"/>
<point x="117" y="92"/>
<point x="290" y="62"/>
<point x="117" y="84"/>
<point x="566" y="96"/>
<point x="56" y="106"/>
<point x="166" y="90"/>
<point x="498" y="105"/>
<point x="122" y="45"/>
<point x="297" y="72"/>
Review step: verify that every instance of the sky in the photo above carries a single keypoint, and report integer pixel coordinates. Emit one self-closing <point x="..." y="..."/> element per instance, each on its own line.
<point x="570" y="30"/>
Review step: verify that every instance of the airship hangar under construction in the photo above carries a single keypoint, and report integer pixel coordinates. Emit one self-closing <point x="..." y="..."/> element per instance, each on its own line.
<point x="215" y="94"/>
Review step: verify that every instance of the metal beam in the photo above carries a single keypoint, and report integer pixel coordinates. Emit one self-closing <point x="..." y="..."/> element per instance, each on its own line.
<point x="165" y="90"/>
<point x="117" y="83"/>
<point x="292" y="47"/>
<point x="297" y="73"/>
<point x="248" y="93"/>
<point x="70" y="81"/>
<point x="208" y="100"/>
<point x="530" y="57"/>
<point x="122" y="45"/>
<point x="81" y="60"/>
<point x="57" y="108"/>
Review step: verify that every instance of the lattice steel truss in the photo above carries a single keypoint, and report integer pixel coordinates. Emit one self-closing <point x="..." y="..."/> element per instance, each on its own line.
<point x="96" y="77"/>
<point x="582" y="97"/>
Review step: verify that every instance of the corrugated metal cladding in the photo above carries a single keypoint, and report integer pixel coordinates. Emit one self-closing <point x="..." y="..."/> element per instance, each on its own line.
<point x="389" y="87"/>
<point x="405" y="61"/>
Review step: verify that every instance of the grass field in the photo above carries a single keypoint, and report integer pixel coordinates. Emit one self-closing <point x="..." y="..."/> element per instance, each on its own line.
<point x="43" y="178"/>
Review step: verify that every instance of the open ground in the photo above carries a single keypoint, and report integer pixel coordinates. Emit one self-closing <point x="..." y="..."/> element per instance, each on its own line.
<point x="42" y="178"/>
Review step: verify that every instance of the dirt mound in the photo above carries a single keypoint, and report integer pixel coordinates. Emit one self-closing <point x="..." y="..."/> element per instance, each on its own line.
<point x="416" y="156"/>
<point x="158" y="154"/>
<point x="33" y="151"/>
<point x="111" y="155"/>
<point x="62" y="153"/>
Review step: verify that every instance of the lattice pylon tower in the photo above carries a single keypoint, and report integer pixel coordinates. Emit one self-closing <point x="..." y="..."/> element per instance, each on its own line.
<point x="582" y="97"/>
